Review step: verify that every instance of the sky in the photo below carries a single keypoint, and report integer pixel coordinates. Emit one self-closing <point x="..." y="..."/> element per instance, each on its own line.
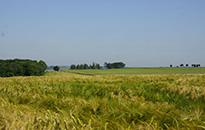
<point x="140" y="33"/>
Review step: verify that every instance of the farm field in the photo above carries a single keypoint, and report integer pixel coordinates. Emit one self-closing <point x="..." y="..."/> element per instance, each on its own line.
<point x="133" y="71"/>
<point x="62" y="100"/>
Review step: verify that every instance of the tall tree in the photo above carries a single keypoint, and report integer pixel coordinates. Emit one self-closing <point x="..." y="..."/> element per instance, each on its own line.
<point x="94" y="65"/>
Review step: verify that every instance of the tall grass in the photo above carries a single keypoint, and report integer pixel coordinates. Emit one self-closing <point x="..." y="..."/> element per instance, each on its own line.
<point x="70" y="101"/>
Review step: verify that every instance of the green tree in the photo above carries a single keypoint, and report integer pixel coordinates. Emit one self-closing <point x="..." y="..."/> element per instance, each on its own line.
<point x="94" y="65"/>
<point x="9" y="71"/>
<point x="2" y="70"/>
<point x="85" y="66"/>
<point x="105" y="65"/>
<point x="29" y="69"/>
<point x="43" y="64"/>
<point x="56" y="68"/>
<point x="181" y="65"/>
<point x="21" y="67"/>
<point x="81" y="66"/>
<point x="90" y="66"/>
<point x="114" y="65"/>
<point x="72" y="67"/>
<point x="78" y="67"/>
<point x="97" y="66"/>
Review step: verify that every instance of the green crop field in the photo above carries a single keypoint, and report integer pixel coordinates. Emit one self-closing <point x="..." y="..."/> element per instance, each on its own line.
<point x="62" y="100"/>
<point x="133" y="71"/>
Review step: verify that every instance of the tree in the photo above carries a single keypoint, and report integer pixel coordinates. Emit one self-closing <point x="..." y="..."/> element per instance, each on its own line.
<point x="43" y="64"/>
<point x="105" y="64"/>
<point x="29" y="70"/>
<point x="94" y="65"/>
<point x="109" y="66"/>
<point x="195" y="65"/>
<point x="41" y="67"/>
<point x="85" y="66"/>
<point x="119" y="65"/>
<point x="2" y="70"/>
<point x="170" y="65"/>
<point x="72" y="67"/>
<point x="97" y="66"/>
<point x="9" y="71"/>
<point x="56" y="68"/>
<point x="81" y="66"/>
<point x="78" y="66"/>
<point x="187" y="65"/>
<point x="90" y="67"/>
<point x="21" y="67"/>
<point x="181" y="65"/>
<point x="115" y="65"/>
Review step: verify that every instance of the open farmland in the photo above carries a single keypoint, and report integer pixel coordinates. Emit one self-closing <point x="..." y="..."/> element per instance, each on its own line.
<point x="61" y="100"/>
<point x="134" y="71"/>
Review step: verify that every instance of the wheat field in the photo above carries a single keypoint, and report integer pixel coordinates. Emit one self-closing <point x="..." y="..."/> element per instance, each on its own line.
<point x="61" y="100"/>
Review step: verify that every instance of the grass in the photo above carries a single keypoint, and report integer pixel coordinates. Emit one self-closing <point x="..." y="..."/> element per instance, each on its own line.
<point x="134" y="71"/>
<point x="61" y="100"/>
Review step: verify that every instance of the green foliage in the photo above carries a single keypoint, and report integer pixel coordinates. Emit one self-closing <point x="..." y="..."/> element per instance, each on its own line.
<point x="90" y="67"/>
<point x="94" y="65"/>
<point x="181" y="65"/>
<point x="81" y="66"/>
<point x="68" y="101"/>
<point x="72" y="67"/>
<point x="114" y="65"/>
<point x="97" y="66"/>
<point x="78" y="66"/>
<point x="196" y="65"/>
<point x="85" y="66"/>
<point x="56" y="68"/>
<point x="19" y="67"/>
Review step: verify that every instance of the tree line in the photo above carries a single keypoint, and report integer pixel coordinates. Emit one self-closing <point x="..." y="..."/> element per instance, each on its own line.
<point x="187" y="65"/>
<point x="114" y="65"/>
<point x="85" y="66"/>
<point x="22" y="67"/>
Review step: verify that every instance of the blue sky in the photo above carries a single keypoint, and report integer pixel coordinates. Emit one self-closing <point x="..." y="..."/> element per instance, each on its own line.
<point x="137" y="32"/>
